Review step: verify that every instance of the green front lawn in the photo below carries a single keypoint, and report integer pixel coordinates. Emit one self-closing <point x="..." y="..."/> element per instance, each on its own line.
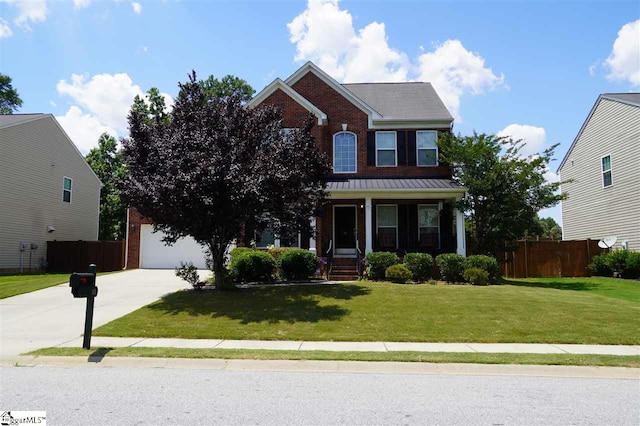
<point x="598" y="311"/>
<point x="12" y="285"/>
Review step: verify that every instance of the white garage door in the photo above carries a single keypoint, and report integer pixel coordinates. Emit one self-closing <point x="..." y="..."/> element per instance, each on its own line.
<point x="154" y="254"/>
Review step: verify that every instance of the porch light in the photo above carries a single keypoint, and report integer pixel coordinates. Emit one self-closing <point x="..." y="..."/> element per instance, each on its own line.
<point x="344" y="127"/>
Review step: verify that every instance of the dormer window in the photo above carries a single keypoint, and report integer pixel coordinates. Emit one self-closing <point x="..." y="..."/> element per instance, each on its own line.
<point x="427" y="149"/>
<point x="344" y="152"/>
<point x="386" y="148"/>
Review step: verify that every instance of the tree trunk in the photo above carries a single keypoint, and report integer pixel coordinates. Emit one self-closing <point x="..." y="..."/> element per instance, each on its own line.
<point x="219" y="271"/>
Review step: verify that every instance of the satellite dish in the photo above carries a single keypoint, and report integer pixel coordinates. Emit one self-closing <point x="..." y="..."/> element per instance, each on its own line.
<point x="607" y="242"/>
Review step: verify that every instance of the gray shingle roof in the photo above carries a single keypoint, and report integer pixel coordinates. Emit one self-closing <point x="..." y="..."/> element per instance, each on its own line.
<point x="407" y="101"/>
<point x="629" y="98"/>
<point x="11" y="119"/>
<point x="394" y="184"/>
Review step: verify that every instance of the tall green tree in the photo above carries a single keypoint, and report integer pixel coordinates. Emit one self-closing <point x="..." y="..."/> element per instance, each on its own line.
<point x="227" y="86"/>
<point x="107" y="163"/>
<point x="9" y="99"/>
<point x="505" y="190"/>
<point x="214" y="165"/>
<point x="546" y="228"/>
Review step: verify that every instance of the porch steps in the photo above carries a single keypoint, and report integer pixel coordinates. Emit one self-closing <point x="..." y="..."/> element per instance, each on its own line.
<point x="343" y="269"/>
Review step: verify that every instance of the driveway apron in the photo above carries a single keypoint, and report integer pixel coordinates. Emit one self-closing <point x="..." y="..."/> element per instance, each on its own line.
<point x="52" y="316"/>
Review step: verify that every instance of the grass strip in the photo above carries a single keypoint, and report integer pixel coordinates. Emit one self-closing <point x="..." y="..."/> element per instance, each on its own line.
<point x="431" y="357"/>
<point x="13" y="285"/>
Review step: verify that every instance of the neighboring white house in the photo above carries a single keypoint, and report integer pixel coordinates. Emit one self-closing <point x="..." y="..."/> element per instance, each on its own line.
<point x="47" y="190"/>
<point x="604" y="164"/>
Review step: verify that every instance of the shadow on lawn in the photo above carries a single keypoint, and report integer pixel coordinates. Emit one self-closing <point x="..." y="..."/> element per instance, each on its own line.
<point x="559" y="285"/>
<point x="271" y="304"/>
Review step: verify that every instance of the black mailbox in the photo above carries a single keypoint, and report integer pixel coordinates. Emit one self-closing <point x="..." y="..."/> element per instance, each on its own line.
<point x="83" y="285"/>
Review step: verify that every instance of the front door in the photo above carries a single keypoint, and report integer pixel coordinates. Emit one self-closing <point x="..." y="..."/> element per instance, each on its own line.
<point x="344" y="229"/>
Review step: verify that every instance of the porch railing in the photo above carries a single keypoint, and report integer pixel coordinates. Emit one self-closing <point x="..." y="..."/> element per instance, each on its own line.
<point x="329" y="255"/>
<point x="358" y="259"/>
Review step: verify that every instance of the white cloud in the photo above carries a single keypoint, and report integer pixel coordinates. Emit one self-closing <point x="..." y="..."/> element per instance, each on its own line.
<point x="53" y="104"/>
<point x="108" y="97"/>
<point x="102" y="104"/>
<point x="28" y="11"/>
<point x="5" y="30"/>
<point x="624" y="60"/>
<point x="83" y="129"/>
<point x="81" y="4"/>
<point x="454" y="71"/>
<point x="534" y="137"/>
<point x="137" y="7"/>
<point x="325" y="34"/>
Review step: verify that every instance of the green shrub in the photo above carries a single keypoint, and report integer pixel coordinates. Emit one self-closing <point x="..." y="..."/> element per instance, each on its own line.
<point x="599" y="266"/>
<point x="617" y="261"/>
<point x="238" y="251"/>
<point x="297" y="264"/>
<point x="420" y="265"/>
<point x="486" y="263"/>
<point x="451" y="267"/>
<point x="252" y="265"/>
<point x="276" y="252"/>
<point x="378" y="262"/>
<point x="632" y="270"/>
<point x="476" y="276"/>
<point x="188" y="272"/>
<point x="398" y="274"/>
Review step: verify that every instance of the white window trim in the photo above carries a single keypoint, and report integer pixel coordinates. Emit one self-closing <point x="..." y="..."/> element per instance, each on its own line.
<point x="395" y="148"/>
<point x="70" y="190"/>
<point x="418" y="149"/>
<point x="355" y="148"/>
<point x="439" y="206"/>
<point x="602" y="172"/>
<point x="378" y="222"/>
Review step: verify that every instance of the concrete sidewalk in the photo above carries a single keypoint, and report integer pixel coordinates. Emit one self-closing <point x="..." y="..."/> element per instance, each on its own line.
<point x="518" y="348"/>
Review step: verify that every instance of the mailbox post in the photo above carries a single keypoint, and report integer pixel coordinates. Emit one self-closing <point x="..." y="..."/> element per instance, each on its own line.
<point x="83" y="285"/>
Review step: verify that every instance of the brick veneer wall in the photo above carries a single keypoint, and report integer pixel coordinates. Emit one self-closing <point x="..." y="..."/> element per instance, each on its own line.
<point x="133" y="237"/>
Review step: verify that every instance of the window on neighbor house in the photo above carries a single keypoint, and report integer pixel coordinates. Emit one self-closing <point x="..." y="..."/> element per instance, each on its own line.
<point x="606" y="171"/>
<point x="427" y="148"/>
<point x="344" y="152"/>
<point x="386" y="149"/>
<point x="286" y="130"/>
<point x="66" y="189"/>
<point x="265" y="238"/>
<point x="429" y="225"/>
<point x="387" y="226"/>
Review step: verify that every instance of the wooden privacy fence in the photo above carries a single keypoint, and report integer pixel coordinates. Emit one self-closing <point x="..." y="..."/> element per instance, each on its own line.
<point x="548" y="258"/>
<point x="76" y="256"/>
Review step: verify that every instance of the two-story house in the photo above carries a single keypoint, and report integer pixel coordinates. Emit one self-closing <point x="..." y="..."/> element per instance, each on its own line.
<point x="388" y="189"/>
<point x="47" y="192"/>
<point x="603" y="166"/>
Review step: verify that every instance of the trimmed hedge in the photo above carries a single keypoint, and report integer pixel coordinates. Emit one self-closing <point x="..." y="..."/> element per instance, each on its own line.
<point x="476" y="276"/>
<point x="398" y="274"/>
<point x="599" y="266"/>
<point x="420" y="265"/>
<point x="297" y="264"/>
<point x="451" y="267"/>
<point x="237" y="251"/>
<point x="378" y="262"/>
<point x="252" y="265"/>
<point x="622" y="263"/>
<point x="486" y="263"/>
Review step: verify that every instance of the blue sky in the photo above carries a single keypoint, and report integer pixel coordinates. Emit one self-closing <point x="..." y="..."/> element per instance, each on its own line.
<point x="528" y="69"/>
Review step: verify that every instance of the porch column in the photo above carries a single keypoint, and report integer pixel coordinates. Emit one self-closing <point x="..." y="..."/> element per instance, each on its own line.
<point x="368" y="225"/>
<point x="312" y="239"/>
<point x="460" y="234"/>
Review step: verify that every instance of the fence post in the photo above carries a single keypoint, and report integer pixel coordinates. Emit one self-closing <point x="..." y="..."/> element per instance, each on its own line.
<point x="526" y="260"/>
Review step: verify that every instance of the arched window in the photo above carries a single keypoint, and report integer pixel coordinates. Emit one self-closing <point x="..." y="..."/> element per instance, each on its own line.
<point x="344" y="152"/>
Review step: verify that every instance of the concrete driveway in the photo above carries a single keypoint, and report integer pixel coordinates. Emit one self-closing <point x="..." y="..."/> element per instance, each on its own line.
<point x="53" y="316"/>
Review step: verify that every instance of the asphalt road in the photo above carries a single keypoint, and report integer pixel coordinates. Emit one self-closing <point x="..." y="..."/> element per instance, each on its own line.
<point x="153" y="396"/>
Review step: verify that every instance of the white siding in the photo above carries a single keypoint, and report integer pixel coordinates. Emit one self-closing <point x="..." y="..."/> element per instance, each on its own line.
<point x="592" y="211"/>
<point x="34" y="158"/>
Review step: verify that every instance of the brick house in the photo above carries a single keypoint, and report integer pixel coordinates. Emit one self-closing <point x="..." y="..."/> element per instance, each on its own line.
<point x="388" y="190"/>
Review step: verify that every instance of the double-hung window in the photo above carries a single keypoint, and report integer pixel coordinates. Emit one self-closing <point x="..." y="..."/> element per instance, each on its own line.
<point x="427" y="149"/>
<point x="606" y="171"/>
<point x="66" y="189"/>
<point x="429" y="225"/>
<point x="344" y="152"/>
<point x="387" y="224"/>
<point x="386" y="147"/>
